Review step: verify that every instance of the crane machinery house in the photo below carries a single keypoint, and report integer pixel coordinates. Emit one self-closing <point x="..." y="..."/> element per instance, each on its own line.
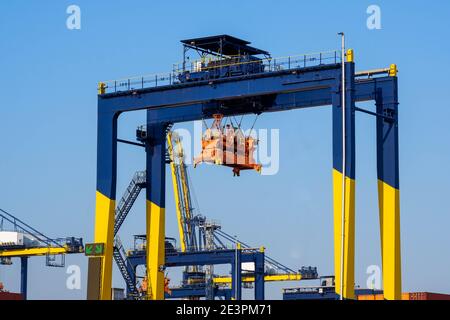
<point x="220" y="56"/>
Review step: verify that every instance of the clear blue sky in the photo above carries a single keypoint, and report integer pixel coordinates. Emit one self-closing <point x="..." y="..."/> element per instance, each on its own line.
<point x="48" y="128"/>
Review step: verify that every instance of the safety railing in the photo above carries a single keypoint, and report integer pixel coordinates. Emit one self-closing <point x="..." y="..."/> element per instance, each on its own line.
<point x="210" y="223"/>
<point x="267" y="64"/>
<point x="192" y="249"/>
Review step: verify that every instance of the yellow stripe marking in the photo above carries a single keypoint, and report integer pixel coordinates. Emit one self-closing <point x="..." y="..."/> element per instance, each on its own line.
<point x="104" y="233"/>
<point x="155" y="250"/>
<point x="389" y="206"/>
<point x="349" y="240"/>
<point x="267" y="278"/>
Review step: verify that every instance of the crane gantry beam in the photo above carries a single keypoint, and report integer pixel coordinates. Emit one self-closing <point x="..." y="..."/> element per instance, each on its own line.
<point x="267" y="278"/>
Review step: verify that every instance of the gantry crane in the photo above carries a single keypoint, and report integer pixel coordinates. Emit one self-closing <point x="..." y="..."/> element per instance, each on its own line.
<point x="23" y="241"/>
<point x="238" y="80"/>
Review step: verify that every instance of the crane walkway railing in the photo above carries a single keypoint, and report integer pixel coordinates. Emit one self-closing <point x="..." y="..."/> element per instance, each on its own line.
<point x="269" y="65"/>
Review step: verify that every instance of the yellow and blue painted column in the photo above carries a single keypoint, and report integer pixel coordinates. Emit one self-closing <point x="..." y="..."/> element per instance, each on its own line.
<point x="347" y="265"/>
<point x="24" y="277"/>
<point x="389" y="187"/>
<point x="155" y="195"/>
<point x="100" y="268"/>
<point x="259" y="274"/>
<point x="236" y="273"/>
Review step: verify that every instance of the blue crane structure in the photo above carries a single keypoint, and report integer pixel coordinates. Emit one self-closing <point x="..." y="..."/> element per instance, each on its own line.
<point x="239" y="80"/>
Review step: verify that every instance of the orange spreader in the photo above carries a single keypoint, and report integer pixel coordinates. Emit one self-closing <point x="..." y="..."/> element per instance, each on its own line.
<point x="227" y="146"/>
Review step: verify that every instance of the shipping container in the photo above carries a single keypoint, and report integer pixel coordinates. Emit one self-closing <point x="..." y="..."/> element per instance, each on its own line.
<point x="17" y="239"/>
<point x="10" y="296"/>
<point x="408" y="296"/>
<point x="428" y="296"/>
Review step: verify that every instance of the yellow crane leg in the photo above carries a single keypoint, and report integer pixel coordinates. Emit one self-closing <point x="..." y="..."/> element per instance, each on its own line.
<point x="100" y="267"/>
<point x="155" y="225"/>
<point x="155" y="250"/>
<point x="104" y="233"/>
<point x="389" y="192"/>
<point x="389" y="204"/>
<point x="344" y="177"/>
<point x="349" y="238"/>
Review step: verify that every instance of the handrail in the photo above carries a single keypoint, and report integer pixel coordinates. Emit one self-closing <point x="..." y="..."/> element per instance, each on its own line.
<point x="270" y="64"/>
<point x="322" y="56"/>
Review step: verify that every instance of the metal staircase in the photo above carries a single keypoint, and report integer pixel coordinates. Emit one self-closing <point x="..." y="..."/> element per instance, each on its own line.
<point x="126" y="202"/>
<point x="119" y="255"/>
